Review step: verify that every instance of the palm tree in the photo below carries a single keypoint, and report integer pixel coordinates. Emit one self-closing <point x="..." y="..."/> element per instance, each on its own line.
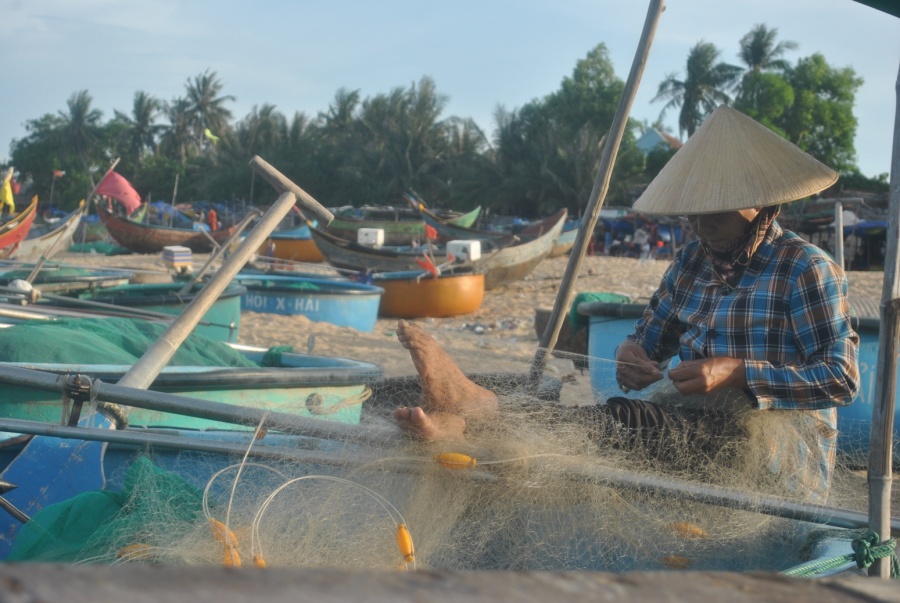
<point x="141" y="133"/>
<point x="760" y="52"/>
<point x="263" y="130"/>
<point x="206" y="108"/>
<point x="177" y="138"/>
<point x="81" y="126"/>
<point x="702" y="90"/>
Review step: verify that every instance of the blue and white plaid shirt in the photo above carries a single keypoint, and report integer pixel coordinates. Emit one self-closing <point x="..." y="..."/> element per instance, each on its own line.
<point x="788" y="318"/>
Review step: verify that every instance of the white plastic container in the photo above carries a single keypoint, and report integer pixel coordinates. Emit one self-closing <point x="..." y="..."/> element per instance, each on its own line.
<point x="465" y="251"/>
<point x="370" y="236"/>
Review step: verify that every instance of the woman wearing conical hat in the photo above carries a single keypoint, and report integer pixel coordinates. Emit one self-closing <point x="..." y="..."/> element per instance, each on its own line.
<point x="758" y="318"/>
<point x="748" y="307"/>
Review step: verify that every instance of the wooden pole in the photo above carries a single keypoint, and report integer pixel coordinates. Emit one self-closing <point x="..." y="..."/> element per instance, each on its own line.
<point x="598" y="194"/>
<point x="839" y="233"/>
<point x="881" y="439"/>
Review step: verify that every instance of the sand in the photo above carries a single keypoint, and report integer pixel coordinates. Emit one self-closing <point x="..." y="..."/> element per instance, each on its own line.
<point x="499" y="336"/>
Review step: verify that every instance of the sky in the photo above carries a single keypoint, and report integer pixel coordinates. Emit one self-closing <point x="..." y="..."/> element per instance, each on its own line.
<point x="481" y="54"/>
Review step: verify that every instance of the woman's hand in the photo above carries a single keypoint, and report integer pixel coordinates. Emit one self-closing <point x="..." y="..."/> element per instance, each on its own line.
<point x="634" y="369"/>
<point x="708" y="375"/>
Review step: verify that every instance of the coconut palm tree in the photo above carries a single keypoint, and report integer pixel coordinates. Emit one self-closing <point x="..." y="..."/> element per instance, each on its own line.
<point x="81" y="126"/>
<point x="760" y="52"/>
<point x="177" y="139"/>
<point x="703" y="89"/>
<point x="263" y="130"/>
<point x="141" y="133"/>
<point x="206" y="108"/>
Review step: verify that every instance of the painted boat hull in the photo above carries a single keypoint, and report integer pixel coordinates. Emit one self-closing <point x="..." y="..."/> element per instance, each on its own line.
<point x="294" y="245"/>
<point x="58" y="240"/>
<point x="501" y="264"/>
<point x="399" y="231"/>
<point x="148" y="238"/>
<point x="566" y="239"/>
<point x="340" y="302"/>
<point x="406" y="296"/>
<point x="222" y="322"/>
<point x="15" y="230"/>
<point x="610" y="323"/>
<point x="339" y="385"/>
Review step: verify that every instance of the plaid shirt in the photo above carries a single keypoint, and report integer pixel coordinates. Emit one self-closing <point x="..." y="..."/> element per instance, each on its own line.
<point x="788" y="318"/>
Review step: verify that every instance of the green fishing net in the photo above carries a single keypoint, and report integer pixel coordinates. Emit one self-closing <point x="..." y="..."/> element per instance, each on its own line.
<point x="76" y="528"/>
<point x="118" y="341"/>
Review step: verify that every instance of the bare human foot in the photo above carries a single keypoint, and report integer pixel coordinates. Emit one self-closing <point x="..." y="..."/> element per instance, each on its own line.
<point x="445" y="389"/>
<point x="431" y="426"/>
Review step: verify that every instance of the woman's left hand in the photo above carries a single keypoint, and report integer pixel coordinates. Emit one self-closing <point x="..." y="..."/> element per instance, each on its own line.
<point x="708" y="375"/>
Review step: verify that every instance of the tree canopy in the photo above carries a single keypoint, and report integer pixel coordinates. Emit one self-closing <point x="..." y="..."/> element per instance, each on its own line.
<point x="371" y="150"/>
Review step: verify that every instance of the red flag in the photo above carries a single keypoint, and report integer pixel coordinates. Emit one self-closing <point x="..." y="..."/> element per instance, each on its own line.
<point x="430" y="232"/>
<point x="58" y="173"/>
<point x="115" y="186"/>
<point x="428" y="265"/>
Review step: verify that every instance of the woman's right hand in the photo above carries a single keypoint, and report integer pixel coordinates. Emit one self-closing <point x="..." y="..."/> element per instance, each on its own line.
<point x="634" y="369"/>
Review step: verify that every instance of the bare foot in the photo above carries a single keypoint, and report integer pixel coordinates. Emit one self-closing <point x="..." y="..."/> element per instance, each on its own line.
<point x="444" y="386"/>
<point x="432" y="426"/>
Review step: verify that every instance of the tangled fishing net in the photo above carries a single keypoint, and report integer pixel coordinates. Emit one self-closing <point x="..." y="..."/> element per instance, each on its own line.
<point x="543" y="487"/>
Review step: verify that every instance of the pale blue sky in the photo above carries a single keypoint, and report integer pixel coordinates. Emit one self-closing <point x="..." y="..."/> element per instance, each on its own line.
<point x="481" y="54"/>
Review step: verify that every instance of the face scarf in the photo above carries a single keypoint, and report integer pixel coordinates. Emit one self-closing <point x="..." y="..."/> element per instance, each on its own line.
<point x="730" y="263"/>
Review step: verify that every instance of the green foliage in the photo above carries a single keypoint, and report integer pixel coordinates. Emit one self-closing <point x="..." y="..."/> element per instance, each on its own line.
<point x="371" y="150"/>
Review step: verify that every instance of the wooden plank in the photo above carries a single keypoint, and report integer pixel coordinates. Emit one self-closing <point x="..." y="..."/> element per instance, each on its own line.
<point x="169" y="584"/>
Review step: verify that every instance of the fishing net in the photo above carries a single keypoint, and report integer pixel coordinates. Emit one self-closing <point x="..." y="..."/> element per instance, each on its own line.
<point x="548" y="484"/>
<point x="120" y="341"/>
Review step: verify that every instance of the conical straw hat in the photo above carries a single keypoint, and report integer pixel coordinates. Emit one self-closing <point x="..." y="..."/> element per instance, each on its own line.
<point x="730" y="163"/>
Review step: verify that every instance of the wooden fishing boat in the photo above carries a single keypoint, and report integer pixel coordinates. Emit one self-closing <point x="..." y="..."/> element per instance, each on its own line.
<point x="566" y="239"/>
<point x="323" y="387"/>
<point x="341" y="302"/>
<point x="221" y="322"/>
<point x="150" y="238"/>
<point x="401" y="226"/>
<point x="418" y="294"/>
<point x="503" y="260"/>
<point x="47" y="243"/>
<point x="294" y="245"/>
<point x="14" y="230"/>
<point x="611" y="322"/>
<point x="62" y="278"/>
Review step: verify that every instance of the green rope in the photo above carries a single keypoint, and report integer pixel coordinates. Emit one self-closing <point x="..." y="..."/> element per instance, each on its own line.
<point x="866" y="549"/>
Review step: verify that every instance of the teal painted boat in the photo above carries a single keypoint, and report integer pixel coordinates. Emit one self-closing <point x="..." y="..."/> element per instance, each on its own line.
<point x="323" y="387"/>
<point x="221" y="322"/>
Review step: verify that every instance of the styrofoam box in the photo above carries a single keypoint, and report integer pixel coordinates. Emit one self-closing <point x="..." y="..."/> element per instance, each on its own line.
<point x="467" y="251"/>
<point x="370" y="236"/>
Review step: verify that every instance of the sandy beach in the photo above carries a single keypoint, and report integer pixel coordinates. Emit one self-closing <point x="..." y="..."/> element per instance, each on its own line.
<point x="499" y="336"/>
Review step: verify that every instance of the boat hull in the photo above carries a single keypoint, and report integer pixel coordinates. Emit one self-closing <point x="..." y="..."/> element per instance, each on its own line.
<point x="406" y="296"/>
<point x="308" y="386"/>
<point x="294" y="245"/>
<point x="221" y="322"/>
<point x="56" y="241"/>
<point x="610" y="323"/>
<point x="14" y="230"/>
<point x="148" y="238"/>
<point x="500" y="265"/>
<point x="341" y="303"/>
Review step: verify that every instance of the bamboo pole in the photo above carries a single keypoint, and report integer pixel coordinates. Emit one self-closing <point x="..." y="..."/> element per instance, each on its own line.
<point x="598" y="193"/>
<point x="281" y="184"/>
<point x="142" y="374"/>
<point x="881" y="439"/>
<point x="839" y="234"/>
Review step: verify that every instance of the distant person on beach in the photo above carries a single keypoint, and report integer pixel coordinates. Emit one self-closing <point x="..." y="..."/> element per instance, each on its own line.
<point x="758" y="317"/>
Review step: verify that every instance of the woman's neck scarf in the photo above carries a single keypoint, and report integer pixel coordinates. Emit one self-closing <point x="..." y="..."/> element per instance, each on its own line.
<point x="730" y="263"/>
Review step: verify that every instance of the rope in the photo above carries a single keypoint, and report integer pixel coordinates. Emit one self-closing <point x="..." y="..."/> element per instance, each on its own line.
<point x="866" y="549"/>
